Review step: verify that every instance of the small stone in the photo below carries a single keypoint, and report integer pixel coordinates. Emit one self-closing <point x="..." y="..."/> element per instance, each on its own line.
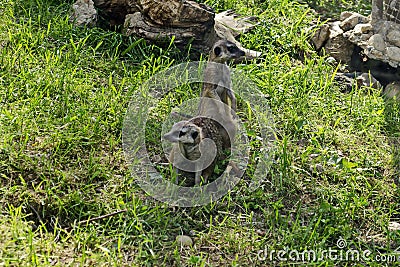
<point x="184" y="240"/>
<point x="156" y="159"/>
<point x="352" y="21"/>
<point x="371" y="52"/>
<point x="367" y="80"/>
<point x="84" y="13"/>
<point x="335" y="30"/>
<point x="330" y="60"/>
<point x="393" y="37"/>
<point x="339" y="48"/>
<point x="393" y="53"/>
<point x="317" y="167"/>
<point x="261" y="232"/>
<point x="363" y="28"/>
<point x="345" y="14"/>
<point x="377" y="42"/>
<point x="392" y="90"/>
<point x="302" y="142"/>
<point x="345" y="81"/>
<point x="394" y="226"/>
<point x="320" y="36"/>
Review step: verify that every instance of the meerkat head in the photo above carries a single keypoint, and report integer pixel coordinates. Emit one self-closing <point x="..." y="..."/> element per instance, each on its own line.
<point x="224" y="50"/>
<point x="184" y="132"/>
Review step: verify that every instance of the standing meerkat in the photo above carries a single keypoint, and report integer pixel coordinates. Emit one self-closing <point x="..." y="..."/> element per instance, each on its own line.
<point x="187" y="136"/>
<point x="217" y="78"/>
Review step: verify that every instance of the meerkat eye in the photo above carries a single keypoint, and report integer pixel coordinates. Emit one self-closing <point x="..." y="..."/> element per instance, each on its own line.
<point x="194" y="135"/>
<point x="217" y="51"/>
<point x="182" y="132"/>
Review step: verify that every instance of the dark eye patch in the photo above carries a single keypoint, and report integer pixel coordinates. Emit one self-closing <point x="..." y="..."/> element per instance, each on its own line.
<point x="232" y="49"/>
<point x="182" y="132"/>
<point x="194" y="135"/>
<point x="217" y="51"/>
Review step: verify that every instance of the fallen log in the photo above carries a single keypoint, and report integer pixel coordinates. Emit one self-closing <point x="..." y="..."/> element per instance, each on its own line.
<point x="183" y="21"/>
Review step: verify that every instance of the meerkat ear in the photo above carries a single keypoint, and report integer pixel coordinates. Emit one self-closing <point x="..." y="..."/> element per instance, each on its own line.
<point x="217" y="51"/>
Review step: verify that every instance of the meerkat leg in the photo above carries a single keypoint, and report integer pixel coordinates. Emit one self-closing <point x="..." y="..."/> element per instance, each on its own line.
<point x="171" y="160"/>
<point x="221" y="106"/>
<point x="177" y="176"/>
<point x="197" y="178"/>
<point x="231" y="97"/>
<point x="233" y="167"/>
<point x="203" y="103"/>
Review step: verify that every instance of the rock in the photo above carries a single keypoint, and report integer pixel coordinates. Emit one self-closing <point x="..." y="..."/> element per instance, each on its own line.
<point x="350" y="22"/>
<point x="330" y="60"/>
<point x="156" y="159"/>
<point x="394" y="226"/>
<point x="335" y="29"/>
<point x="377" y="42"/>
<point x="261" y="232"/>
<point x="393" y="53"/>
<point x="371" y="52"/>
<point x="347" y="80"/>
<point x="367" y="80"/>
<point x="339" y="46"/>
<point x="320" y="36"/>
<point x="317" y="168"/>
<point x="184" y="240"/>
<point x="393" y="37"/>
<point x="84" y="13"/>
<point x="392" y="90"/>
<point x="363" y="28"/>
<point x="360" y="34"/>
<point x="345" y="14"/>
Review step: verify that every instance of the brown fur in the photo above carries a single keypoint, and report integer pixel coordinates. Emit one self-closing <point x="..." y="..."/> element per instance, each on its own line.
<point x="217" y="80"/>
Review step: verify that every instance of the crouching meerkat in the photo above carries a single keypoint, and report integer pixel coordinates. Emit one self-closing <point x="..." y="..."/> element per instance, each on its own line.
<point x="187" y="136"/>
<point x="217" y="78"/>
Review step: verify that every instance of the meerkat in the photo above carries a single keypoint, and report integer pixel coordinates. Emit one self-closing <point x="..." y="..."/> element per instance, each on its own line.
<point x="217" y="79"/>
<point x="188" y="135"/>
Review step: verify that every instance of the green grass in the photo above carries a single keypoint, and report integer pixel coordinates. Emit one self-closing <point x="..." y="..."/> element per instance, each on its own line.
<point x="64" y="92"/>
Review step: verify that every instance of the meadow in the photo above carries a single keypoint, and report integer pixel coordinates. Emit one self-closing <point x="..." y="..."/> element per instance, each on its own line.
<point x="64" y="92"/>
